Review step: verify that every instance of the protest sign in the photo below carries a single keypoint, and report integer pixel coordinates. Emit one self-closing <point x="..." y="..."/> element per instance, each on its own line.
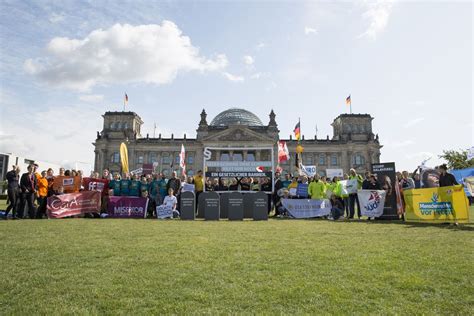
<point x="69" y="184"/>
<point x="351" y="186"/>
<point x="302" y="190"/>
<point x="309" y="171"/>
<point x="127" y="207"/>
<point x="436" y="205"/>
<point x="306" y="208"/>
<point x="72" y="204"/>
<point x="188" y="187"/>
<point x="331" y="173"/>
<point x="164" y="211"/>
<point x="91" y="184"/>
<point x="371" y="202"/>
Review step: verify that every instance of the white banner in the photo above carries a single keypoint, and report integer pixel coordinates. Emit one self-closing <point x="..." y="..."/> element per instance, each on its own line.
<point x="344" y="187"/>
<point x="331" y="173"/>
<point x="164" y="211"/>
<point x="309" y="171"/>
<point x="351" y="186"/>
<point x="248" y="164"/>
<point x="305" y="208"/>
<point x="371" y="202"/>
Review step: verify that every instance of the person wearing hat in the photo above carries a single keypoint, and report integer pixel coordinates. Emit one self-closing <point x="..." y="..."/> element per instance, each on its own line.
<point x="12" y="177"/>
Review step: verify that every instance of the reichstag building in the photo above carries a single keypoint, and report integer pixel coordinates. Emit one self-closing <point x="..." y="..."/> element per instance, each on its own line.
<point x="353" y="144"/>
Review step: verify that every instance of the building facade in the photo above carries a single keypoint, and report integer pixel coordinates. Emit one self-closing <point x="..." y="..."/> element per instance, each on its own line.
<point x="353" y="144"/>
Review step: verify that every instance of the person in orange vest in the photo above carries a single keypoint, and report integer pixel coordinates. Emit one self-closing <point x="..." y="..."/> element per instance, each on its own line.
<point x="42" y="195"/>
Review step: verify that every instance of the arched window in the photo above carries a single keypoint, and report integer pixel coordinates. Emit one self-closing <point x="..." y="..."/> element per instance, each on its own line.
<point x="165" y="158"/>
<point x="250" y="156"/>
<point x="225" y="156"/>
<point x="237" y="156"/>
<point x="334" y="159"/>
<point x="115" y="158"/>
<point x="322" y="159"/>
<point x="358" y="160"/>
<point x="152" y="157"/>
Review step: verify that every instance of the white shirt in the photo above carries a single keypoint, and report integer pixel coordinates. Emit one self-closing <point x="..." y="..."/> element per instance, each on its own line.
<point x="170" y="201"/>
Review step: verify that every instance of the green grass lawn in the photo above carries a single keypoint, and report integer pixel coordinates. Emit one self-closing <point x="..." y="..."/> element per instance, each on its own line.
<point x="92" y="266"/>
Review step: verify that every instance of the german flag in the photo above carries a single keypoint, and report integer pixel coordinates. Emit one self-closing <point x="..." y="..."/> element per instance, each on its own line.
<point x="297" y="131"/>
<point x="348" y="100"/>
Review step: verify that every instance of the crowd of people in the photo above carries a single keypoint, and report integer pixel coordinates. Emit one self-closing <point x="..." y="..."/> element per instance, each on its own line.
<point x="31" y="190"/>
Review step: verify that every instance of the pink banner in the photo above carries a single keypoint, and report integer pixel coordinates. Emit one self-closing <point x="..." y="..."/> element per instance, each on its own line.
<point x="73" y="204"/>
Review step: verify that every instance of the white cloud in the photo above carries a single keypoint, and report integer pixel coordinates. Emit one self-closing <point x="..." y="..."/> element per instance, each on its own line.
<point x="377" y="13"/>
<point x="57" y="17"/>
<point x="232" y="77"/>
<point x="260" y="46"/>
<point x="256" y="75"/>
<point x="121" y="54"/>
<point x="248" y="60"/>
<point x="309" y="30"/>
<point x="414" y="122"/>
<point x="91" y="98"/>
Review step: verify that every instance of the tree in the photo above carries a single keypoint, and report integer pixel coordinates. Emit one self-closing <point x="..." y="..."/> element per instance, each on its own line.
<point x="457" y="159"/>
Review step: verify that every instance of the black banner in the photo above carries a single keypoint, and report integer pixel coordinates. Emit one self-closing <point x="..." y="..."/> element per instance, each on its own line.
<point x="387" y="179"/>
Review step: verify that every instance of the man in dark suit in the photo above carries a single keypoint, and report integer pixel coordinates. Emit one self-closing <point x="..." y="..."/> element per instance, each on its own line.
<point x="28" y="187"/>
<point x="13" y="190"/>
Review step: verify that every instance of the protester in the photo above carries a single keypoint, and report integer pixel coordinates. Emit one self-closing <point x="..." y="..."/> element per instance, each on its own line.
<point x="277" y="186"/>
<point x="337" y="208"/>
<point x="42" y="195"/>
<point x="406" y="182"/>
<point x="151" y="204"/>
<point x="222" y="186"/>
<point x="353" y="199"/>
<point x="317" y="189"/>
<point x="154" y="186"/>
<point x="170" y="200"/>
<point x="173" y="183"/>
<point x="125" y="185"/>
<point x="135" y="186"/>
<point x="198" y="180"/>
<point x="234" y="186"/>
<point x="244" y="184"/>
<point x="287" y="180"/>
<point x="345" y="198"/>
<point x="61" y="172"/>
<point x="255" y="184"/>
<point x="13" y="191"/>
<point x="115" y="185"/>
<point x="28" y="186"/>
<point x="446" y="179"/>
<point x="163" y="184"/>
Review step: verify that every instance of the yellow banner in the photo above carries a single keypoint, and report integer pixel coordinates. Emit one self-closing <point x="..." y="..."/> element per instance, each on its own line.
<point x="436" y="205"/>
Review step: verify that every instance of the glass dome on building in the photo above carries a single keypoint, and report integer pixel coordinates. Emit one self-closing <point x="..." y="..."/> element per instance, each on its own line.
<point x="235" y="116"/>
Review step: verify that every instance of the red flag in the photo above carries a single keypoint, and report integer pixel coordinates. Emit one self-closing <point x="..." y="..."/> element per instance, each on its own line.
<point x="182" y="160"/>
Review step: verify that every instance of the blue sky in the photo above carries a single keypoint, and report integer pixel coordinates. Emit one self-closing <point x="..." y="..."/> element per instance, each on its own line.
<point x="64" y="63"/>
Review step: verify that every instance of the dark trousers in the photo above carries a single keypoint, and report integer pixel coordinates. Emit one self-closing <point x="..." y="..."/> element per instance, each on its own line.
<point x="346" y="206"/>
<point x="42" y="203"/>
<point x="27" y="198"/>
<point x="353" y="199"/>
<point x="13" y="196"/>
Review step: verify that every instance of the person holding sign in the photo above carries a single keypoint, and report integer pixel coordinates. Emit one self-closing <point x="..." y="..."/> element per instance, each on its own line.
<point x="371" y="184"/>
<point x="171" y="201"/>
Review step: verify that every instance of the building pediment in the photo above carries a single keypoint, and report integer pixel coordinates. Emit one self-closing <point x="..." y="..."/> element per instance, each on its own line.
<point x="238" y="133"/>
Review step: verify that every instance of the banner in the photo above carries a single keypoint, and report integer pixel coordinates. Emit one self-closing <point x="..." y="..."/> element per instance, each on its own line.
<point x="387" y="179"/>
<point x="283" y="153"/>
<point x="309" y="171"/>
<point x="127" y="207"/>
<point x="331" y="173"/>
<point x="304" y="208"/>
<point x="148" y="168"/>
<point x="69" y="184"/>
<point x="164" y="211"/>
<point x="436" y="205"/>
<point x="371" y="202"/>
<point x="302" y="190"/>
<point x="343" y="183"/>
<point x="238" y="174"/>
<point x="73" y="204"/>
<point x="100" y="185"/>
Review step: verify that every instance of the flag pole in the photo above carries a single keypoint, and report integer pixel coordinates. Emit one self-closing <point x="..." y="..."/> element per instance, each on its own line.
<point x="350" y="103"/>
<point x="124" y="102"/>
